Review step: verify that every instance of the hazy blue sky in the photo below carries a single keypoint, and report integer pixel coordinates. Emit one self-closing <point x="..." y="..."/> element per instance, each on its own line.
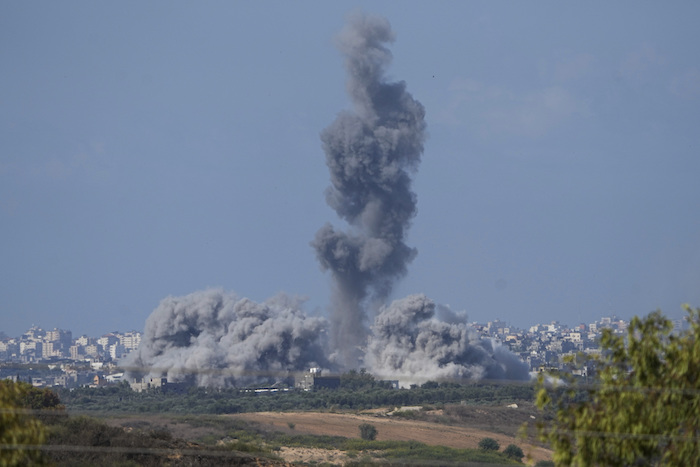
<point x="150" y="149"/>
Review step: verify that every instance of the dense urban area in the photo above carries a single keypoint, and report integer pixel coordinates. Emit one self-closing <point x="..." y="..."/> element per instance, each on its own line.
<point x="94" y="361"/>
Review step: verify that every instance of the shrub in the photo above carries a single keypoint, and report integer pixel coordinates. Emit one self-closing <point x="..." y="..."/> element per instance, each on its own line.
<point x="17" y="428"/>
<point x="489" y="444"/>
<point x="162" y="433"/>
<point x="642" y="404"/>
<point x="368" y="432"/>
<point x="514" y="452"/>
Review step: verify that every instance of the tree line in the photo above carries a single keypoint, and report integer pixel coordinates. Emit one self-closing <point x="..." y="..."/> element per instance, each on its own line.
<point x="357" y="391"/>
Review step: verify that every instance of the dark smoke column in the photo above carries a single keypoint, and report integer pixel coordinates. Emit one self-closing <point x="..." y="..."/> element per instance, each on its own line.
<point x="370" y="153"/>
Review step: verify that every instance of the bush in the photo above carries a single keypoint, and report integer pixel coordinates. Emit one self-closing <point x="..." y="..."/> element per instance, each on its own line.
<point x="489" y="444"/>
<point x="17" y="427"/>
<point x="641" y="408"/>
<point x="368" y="432"/>
<point x="514" y="452"/>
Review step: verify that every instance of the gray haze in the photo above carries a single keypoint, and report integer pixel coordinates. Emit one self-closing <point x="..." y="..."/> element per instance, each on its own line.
<point x="369" y="152"/>
<point x="216" y="338"/>
<point x="409" y="344"/>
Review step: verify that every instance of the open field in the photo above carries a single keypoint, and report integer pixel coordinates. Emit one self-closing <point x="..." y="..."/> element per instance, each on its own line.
<point x="457" y="426"/>
<point x="388" y="427"/>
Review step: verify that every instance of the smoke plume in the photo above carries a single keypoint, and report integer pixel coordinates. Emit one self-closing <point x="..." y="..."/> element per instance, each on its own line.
<point x="370" y="153"/>
<point x="219" y="339"/>
<point x="409" y="344"/>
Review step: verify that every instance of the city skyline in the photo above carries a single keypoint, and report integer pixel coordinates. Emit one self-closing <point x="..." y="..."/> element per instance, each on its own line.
<point x="601" y="320"/>
<point x="96" y="361"/>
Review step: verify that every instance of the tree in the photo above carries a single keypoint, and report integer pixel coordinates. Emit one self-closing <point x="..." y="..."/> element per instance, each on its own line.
<point x="368" y="432"/>
<point x="514" y="452"/>
<point x="489" y="444"/>
<point x="19" y="431"/>
<point x="356" y="381"/>
<point x="643" y="407"/>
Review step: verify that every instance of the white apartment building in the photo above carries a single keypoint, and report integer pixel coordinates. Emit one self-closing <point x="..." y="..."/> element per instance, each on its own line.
<point x="84" y="340"/>
<point x="107" y="340"/>
<point x="116" y="351"/>
<point x="130" y="340"/>
<point x="575" y="336"/>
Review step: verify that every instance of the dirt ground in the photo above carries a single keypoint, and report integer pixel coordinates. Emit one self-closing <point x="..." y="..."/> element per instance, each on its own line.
<point x="313" y="456"/>
<point x="388" y="428"/>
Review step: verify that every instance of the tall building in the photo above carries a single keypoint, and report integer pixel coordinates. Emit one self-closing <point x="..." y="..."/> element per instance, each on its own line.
<point x="76" y="352"/>
<point x="130" y="340"/>
<point x="60" y="341"/>
<point x="116" y="351"/>
<point x="107" y="340"/>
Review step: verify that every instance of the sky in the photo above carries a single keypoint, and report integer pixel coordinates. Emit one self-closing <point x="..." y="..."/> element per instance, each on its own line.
<point x="154" y="149"/>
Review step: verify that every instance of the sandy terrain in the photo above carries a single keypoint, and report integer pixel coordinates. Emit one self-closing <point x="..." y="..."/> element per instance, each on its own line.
<point x="314" y="455"/>
<point x="388" y="428"/>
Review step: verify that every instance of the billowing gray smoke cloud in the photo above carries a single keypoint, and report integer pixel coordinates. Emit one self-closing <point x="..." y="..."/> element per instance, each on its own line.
<point x="409" y="344"/>
<point x="222" y="339"/>
<point x="369" y="153"/>
<point x="217" y="338"/>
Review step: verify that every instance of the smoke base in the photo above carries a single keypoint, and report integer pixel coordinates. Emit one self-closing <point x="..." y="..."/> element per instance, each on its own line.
<point x="213" y="330"/>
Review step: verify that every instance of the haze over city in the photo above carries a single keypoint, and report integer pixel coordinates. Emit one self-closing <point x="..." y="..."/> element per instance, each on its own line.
<point x="157" y="150"/>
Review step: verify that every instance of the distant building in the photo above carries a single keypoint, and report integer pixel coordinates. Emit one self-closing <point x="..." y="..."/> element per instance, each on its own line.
<point x="116" y="351"/>
<point x="61" y="340"/>
<point x="92" y="350"/>
<point x="97" y="381"/>
<point x="313" y="379"/>
<point x="130" y="340"/>
<point x="145" y="384"/>
<point x="114" y="377"/>
<point x="48" y="350"/>
<point x="107" y="340"/>
<point x="84" y="340"/>
<point x="76" y="352"/>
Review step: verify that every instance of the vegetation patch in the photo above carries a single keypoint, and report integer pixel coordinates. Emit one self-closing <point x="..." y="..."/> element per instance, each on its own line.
<point x="411" y="451"/>
<point x="358" y="391"/>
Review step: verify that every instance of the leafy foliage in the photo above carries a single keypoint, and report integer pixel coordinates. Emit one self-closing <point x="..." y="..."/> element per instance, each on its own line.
<point x="366" y="394"/>
<point x="87" y="441"/>
<point x="643" y="406"/>
<point x="489" y="444"/>
<point x="40" y="398"/>
<point x="19" y="431"/>
<point x="514" y="452"/>
<point x="412" y="452"/>
<point x="368" y="432"/>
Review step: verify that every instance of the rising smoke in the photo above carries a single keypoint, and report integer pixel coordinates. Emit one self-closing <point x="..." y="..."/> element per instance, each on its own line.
<point x="217" y="338"/>
<point x="369" y="153"/>
<point x="407" y="342"/>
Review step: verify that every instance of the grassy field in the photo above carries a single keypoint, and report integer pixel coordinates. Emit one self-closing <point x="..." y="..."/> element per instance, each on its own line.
<point x="447" y="436"/>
